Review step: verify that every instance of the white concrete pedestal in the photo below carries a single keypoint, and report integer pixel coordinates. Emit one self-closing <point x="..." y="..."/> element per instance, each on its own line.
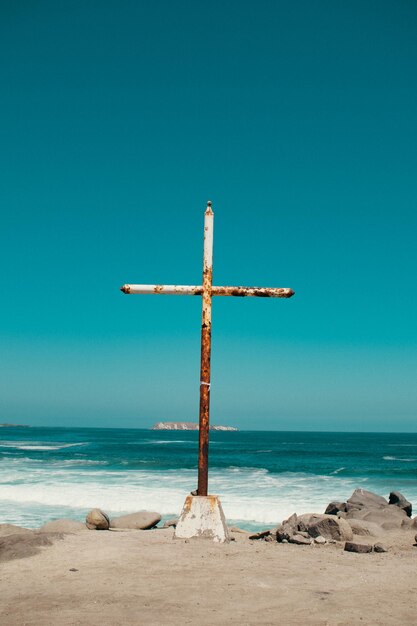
<point x="202" y="516"/>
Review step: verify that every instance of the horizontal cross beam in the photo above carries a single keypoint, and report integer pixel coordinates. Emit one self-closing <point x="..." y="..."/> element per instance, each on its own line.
<point x="197" y="290"/>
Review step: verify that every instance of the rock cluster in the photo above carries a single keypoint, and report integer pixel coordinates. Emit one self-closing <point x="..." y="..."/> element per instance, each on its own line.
<point x="368" y="507"/>
<point x="143" y="520"/>
<point x="313" y="528"/>
<point x="364" y="514"/>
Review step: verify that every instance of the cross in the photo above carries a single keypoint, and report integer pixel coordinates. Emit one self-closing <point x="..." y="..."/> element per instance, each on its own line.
<point x="207" y="290"/>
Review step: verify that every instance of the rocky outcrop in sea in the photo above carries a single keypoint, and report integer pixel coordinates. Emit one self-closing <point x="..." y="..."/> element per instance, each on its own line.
<point x="186" y="426"/>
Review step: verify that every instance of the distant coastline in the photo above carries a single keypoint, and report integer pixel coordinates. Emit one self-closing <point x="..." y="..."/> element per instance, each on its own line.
<point x="187" y="426"/>
<point x="14" y="426"/>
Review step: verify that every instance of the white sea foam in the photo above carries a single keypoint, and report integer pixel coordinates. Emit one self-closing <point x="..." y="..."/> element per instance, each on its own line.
<point x="395" y="458"/>
<point x="37" y="446"/>
<point x="36" y="490"/>
<point x="248" y="494"/>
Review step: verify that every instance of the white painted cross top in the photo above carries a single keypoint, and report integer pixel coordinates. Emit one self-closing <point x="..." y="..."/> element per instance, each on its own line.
<point x="207" y="290"/>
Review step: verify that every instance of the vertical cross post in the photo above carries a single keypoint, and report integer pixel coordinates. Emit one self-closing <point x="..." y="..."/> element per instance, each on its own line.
<point x="204" y="418"/>
<point x="202" y="514"/>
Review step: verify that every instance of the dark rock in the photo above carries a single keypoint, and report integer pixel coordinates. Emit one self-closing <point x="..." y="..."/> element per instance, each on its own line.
<point x="261" y="535"/>
<point x="330" y="527"/>
<point x="288" y="528"/>
<point x="97" y="520"/>
<point x="357" y="547"/>
<point x="396" y="498"/>
<point x="379" y="547"/>
<point x="335" y="507"/>
<point x="143" y="520"/>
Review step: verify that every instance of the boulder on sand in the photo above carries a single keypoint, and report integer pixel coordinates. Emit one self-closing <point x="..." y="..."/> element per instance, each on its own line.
<point x="362" y="499"/>
<point x="370" y="507"/>
<point x="288" y="528"/>
<point x="143" y="520"/>
<point x="360" y="548"/>
<point x="97" y="520"/>
<point x="387" y="517"/>
<point x="329" y="527"/>
<point x="314" y="525"/>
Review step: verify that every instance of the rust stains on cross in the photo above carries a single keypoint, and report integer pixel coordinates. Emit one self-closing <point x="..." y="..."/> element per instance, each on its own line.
<point x="207" y="290"/>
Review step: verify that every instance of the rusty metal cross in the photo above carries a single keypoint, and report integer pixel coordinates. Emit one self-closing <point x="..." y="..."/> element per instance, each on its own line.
<point x="207" y="290"/>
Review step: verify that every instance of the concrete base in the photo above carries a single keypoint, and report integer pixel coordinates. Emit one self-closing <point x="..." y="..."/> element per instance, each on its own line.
<point x="202" y="516"/>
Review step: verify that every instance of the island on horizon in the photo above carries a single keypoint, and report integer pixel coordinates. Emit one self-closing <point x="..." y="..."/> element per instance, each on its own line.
<point x="186" y="426"/>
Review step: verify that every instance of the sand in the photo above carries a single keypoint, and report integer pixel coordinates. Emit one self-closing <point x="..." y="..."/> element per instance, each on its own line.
<point x="147" y="577"/>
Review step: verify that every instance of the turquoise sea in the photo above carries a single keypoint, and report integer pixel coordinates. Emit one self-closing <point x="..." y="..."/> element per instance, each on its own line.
<point x="262" y="477"/>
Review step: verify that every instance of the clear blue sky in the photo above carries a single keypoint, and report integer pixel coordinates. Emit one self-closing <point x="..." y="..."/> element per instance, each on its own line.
<point x="299" y="121"/>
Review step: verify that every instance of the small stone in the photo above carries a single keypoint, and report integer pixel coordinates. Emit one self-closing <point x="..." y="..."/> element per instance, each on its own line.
<point x="171" y="522"/>
<point x="236" y="529"/>
<point x="320" y="540"/>
<point x="262" y="535"/>
<point x="379" y="547"/>
<point x="303" y="533"/>
<point x="360" y="548"/>
<point x="300" y="540"/>
<point x="73" y="569"/>
<point x="284" y="541"/>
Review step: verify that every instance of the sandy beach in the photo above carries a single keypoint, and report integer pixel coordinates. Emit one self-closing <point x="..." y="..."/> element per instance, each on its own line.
<point x="147" y="577"/>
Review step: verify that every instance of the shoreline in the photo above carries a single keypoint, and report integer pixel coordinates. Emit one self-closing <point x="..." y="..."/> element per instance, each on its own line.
<point x="104" y="578"/>
<point x="355" y="563"/>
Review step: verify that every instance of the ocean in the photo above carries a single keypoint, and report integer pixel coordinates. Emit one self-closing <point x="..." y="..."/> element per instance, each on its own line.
<point x="261" y="477"/>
